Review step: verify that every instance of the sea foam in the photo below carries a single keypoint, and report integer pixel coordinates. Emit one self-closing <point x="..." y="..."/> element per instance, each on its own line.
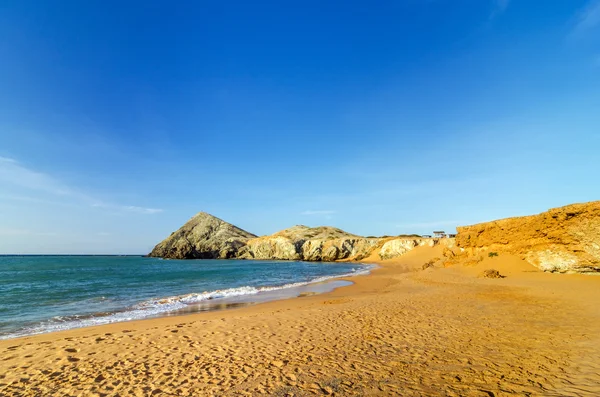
<point x="163" y="306"/>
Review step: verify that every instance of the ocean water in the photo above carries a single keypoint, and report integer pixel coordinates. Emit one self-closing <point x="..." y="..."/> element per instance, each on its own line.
<point x="50" y="293"/>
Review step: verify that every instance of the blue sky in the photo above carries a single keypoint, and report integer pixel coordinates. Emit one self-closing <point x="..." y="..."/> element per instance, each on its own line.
<point x="118" y="123"/>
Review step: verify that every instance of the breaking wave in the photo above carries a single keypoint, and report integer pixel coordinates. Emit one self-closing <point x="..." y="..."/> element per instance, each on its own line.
<point x="163" y="306"/>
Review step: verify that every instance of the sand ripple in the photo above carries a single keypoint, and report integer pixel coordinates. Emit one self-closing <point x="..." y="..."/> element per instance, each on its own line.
<point x="414" y="334"/>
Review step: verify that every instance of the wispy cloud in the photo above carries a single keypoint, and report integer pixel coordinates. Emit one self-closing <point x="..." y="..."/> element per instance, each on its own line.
<point x="128" y="208"/>
<point x="14" y="173"/>
<point x="11" y="171"/>
<point x="318" y="212"/>
<point x="587" y="19"/>
<point x="28" y="199"/>
<point x="142" y="210"/>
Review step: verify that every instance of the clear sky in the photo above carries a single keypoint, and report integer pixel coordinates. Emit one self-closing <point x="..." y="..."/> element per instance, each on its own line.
<point x="119" y="122"/>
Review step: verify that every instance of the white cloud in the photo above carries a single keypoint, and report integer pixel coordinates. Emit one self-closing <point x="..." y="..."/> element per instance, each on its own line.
<point x="142" y="210"/>
<point x="28" y="199"/>
<point x="127" y="208"/>
<point x="14" y="173"/>
<point x="588" y="18"/>
<point x="318" y="212"/>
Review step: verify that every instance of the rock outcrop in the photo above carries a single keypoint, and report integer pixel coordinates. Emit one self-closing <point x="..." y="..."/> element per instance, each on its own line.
<point x="203" y="237"/>
<point x="396" y="247"/>
<point x="310" y="244"/>
<point x="565" y="239"/>
<point x="207" y="237"/>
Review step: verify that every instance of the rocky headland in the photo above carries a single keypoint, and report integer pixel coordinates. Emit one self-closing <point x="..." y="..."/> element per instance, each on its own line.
<point x="565" y="239"/>
<point x="203" y="237"/>
<point x="208" y="237"/>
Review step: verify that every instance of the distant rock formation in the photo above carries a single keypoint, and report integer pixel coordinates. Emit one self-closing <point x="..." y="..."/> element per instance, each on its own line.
<point x="203" y="237"/>
<point x="310" y="244"/>
<point x="208" y="237"/>
<point x="564" y="240"/>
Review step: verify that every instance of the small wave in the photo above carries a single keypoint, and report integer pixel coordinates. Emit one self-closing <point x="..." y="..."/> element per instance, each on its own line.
<point x="246" y="290"/>
<point x="158" y="307"/>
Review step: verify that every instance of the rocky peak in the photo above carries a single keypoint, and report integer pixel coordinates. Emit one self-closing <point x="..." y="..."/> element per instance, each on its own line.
<point x="204" y="236"/>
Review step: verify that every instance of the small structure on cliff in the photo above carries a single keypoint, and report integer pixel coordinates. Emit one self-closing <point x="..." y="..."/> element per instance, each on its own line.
<point x="440" y="234"/>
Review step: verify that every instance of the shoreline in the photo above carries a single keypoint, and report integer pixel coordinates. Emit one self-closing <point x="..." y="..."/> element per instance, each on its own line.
<point x="400" y="330"/>
<point x="224" y="299"/>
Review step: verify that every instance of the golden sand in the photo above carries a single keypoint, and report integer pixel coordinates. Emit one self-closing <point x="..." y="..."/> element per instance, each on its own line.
<point x="400" y="331"/>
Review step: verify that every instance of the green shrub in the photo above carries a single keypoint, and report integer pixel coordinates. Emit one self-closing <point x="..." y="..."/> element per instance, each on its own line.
<point x="492" y="254"/>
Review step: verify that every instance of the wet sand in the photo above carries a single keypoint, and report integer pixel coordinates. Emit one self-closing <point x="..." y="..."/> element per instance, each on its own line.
<point x="400" y="331"/>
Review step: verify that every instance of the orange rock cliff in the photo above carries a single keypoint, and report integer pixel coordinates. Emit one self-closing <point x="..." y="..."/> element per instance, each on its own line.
<point x="565" y="239"/>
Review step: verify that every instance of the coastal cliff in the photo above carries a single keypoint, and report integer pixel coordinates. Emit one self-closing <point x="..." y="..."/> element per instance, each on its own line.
<point x="207" y="237"/>
<point x="311" y="244"/>
<point x="564" y="240"/>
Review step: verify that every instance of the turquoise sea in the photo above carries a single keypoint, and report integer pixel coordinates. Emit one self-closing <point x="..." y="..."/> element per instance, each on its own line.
<point x="50" y="293"/>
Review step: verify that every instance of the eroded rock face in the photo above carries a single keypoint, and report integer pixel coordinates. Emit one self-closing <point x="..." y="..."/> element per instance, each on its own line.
<point x="272" y="247"/>
<point x="397" y="247"/>
<point x="312" y="250"/>
<point x="207" y="237"/>
<point x="310" y="244"/>
<point x="203" y="237"/>
<point x="565" y="239"/>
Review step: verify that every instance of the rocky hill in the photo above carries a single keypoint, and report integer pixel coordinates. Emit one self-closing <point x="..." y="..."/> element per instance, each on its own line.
<point x="565" y="239"/>
<point x="207" y="237"/>
<point x="203" y="237"/>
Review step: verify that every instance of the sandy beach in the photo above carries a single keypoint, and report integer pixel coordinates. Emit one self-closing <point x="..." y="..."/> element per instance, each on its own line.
<point x="402" y="330"/>
<point x="298" y="199"/>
